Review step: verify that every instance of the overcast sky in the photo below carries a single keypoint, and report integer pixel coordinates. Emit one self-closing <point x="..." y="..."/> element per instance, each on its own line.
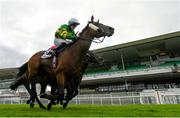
<point x="27" y="26"/>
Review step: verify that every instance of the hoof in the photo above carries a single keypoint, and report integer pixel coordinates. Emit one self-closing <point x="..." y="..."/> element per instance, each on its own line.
<point x="61" y="102"/>
<point x="43" y="95"/>
<point x="49" y="106"/>
<point x="31" y="105"/>
<point x="64" y="106"/>
<point x="42" y="107"/>
<point x="28" y="101"/>
<point x="56" y="102"/>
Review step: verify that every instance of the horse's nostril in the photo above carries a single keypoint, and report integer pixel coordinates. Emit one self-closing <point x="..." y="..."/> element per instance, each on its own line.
<point x="111" y="28"/>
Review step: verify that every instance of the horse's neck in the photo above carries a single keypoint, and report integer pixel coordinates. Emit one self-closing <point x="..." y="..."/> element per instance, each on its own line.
<point x="81" y="46"/>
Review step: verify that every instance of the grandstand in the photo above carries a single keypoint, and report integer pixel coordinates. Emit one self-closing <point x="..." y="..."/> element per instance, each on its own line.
<point x="129" y="69"/>
<point x="151" y="63"/>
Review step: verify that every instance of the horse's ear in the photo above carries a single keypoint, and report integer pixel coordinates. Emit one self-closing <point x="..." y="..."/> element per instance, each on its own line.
<point x="98" y="21"/>
<point x="92" y="18"/>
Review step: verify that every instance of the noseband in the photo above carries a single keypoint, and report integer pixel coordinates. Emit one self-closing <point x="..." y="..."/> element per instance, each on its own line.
<point x="95" y="40"/>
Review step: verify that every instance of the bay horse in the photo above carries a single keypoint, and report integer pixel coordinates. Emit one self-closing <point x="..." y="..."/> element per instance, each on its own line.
<point x="68" y="60"/>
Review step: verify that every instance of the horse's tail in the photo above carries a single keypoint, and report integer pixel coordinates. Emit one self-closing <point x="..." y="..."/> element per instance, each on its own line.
<point x="21" y="77"/>
<point x="18" y="82"/>
<point x="22" y="69"/>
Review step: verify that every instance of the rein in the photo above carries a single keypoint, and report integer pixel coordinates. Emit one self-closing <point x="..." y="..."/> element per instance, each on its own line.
<point x="95" y="40"/>
<point x="99" y="40"/>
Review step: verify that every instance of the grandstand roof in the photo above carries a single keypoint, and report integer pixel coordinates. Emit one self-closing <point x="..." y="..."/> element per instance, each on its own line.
<point x="140" y="48"/>
<point x="139" y="42"/>
<point x="129" y="50"/>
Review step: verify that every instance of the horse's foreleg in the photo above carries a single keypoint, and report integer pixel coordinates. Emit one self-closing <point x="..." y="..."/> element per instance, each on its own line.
<point x="68" y="97"/>
<point x="60" y="82"/>
<point x="71" y="95"/>
<point x="72" y="91"/>
<point x="74" y="94"/>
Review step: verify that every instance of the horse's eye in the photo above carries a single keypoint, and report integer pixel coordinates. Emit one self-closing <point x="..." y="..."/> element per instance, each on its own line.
<point x="98" y="30"/>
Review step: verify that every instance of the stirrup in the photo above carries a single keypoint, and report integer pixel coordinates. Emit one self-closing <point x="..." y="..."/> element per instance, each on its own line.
<point x="48" y="54"/>
<point x="45" y="56"/>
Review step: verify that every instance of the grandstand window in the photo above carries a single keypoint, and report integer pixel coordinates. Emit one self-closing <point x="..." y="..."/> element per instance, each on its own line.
<point x="154" y="57"/>
<point x="150" y="86"/>
<point x="113" y="88"/>
<point x="144" y="59"/>
<point x="155" y="86"/>
<point x="173" y="85"/>
<point x="114" y="67"/>
<point x="167" y="85"/>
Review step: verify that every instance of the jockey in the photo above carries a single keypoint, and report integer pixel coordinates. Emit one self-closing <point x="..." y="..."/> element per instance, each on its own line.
<point x="63" y="37"/>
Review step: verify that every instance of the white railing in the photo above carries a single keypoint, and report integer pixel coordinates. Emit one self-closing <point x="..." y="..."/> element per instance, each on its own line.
<point x="115" y="100"/>
<point x="111" y="99"/>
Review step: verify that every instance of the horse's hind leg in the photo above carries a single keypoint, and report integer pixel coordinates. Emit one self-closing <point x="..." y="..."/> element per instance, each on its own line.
<point x="31" y="100"/>
<point x="33" y="88"/>
<point x="43" y="89"/>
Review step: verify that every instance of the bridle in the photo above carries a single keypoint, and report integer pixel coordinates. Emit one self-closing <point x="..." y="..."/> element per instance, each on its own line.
<point x="95" y="40"/>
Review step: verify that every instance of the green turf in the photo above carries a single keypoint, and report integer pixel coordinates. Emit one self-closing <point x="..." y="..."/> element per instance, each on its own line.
<point x="91" y="110"/>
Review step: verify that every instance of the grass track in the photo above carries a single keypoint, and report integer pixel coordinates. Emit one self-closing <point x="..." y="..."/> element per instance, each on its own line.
<point x="17" y="110"/>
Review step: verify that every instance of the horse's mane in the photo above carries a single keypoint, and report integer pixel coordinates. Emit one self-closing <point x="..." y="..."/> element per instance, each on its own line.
<point x="83" y="30"/>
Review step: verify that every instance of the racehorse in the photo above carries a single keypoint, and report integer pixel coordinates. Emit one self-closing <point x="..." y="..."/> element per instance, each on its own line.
<point x="69" y="60"/>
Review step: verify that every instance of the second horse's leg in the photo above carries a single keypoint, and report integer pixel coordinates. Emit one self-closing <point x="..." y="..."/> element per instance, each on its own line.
<point x="60" y="90"/>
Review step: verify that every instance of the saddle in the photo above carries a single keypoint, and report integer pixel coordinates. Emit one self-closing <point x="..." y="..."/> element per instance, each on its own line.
<point x="53" y="52"/>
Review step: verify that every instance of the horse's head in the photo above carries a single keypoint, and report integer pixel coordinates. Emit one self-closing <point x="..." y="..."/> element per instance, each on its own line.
<point x="100" y="30"/>
<point x="97" y="30"/>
